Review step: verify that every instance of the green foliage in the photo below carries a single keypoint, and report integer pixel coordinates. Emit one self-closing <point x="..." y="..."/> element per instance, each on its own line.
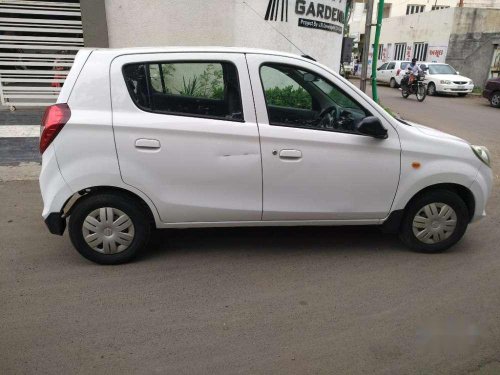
<point x="211" y="82"/>
<point x="189" y="87"/>
<point x="289" y="97"/>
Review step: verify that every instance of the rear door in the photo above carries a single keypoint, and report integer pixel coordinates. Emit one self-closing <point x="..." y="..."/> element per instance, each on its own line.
<point x="186" y="134"/>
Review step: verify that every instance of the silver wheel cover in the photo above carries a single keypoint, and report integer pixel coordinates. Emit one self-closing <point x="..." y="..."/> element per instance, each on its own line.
<point x="108" y="230"/>
<point x="434" y="223"/>
<point x="495" y="99"/>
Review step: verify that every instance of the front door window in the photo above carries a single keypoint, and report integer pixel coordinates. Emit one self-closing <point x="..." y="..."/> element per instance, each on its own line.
<point x="299" y="98"/>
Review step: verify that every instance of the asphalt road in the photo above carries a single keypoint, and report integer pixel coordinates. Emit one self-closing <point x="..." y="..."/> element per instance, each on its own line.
<point x="257" y="301"/>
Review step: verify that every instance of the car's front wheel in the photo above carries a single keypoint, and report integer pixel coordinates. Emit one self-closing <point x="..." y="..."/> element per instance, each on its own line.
<point x="434" y="221"/>
<point x="109" y="228"/>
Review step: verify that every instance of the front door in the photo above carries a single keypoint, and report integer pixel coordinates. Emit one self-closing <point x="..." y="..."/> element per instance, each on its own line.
<point x="186" y="134"/>
<point x="316" y="166"/>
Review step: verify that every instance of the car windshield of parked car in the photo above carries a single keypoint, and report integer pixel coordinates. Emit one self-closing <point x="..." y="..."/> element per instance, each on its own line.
<point x="441" y="69"/>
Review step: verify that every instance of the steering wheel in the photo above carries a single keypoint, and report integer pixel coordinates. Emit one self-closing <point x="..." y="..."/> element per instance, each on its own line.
<point x="327" y="110"/>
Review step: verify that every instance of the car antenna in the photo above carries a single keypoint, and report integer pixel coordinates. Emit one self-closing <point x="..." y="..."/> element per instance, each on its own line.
<point x="303" y="54"/>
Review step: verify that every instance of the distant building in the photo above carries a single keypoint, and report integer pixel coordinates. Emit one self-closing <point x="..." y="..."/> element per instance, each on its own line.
<point x="466" y="37"/>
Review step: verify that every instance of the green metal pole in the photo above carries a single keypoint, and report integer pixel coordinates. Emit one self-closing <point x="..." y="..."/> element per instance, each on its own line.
<point x="380" y="14"/>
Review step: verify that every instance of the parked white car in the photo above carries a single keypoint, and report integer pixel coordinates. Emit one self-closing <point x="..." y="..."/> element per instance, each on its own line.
<point x="392" y="72"/>
<point x="210" y="137"/>
<point x="444" y="79"/>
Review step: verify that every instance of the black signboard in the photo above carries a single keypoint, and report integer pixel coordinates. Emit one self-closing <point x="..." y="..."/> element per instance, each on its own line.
<point x="312" y="24"/>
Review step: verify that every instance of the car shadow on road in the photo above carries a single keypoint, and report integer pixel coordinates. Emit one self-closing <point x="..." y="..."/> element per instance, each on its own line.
<point x="272" y="240"/>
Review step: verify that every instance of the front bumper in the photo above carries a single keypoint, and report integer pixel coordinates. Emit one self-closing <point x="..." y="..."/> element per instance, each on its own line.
<point x="481" y="189"/>
<point x="454" y="89"/>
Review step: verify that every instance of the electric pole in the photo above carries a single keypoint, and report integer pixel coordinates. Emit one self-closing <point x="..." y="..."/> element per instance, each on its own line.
<point x="366" y="46"/>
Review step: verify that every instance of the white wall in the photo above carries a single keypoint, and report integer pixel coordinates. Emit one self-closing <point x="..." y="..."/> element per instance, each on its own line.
<point x="221" y="23"/>
<point x="398" y="8"/>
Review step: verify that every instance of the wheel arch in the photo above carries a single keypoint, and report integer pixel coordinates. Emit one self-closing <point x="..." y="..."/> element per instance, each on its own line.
<point x="393" y="222"/>
<point x="463" y="192"/>
<point x="148" y="206"/>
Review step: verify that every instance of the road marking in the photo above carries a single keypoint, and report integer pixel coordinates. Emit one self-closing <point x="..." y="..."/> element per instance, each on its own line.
<point x="19" y="131"/>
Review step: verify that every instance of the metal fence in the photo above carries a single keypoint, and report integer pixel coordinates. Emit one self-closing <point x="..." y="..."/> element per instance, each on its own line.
<point x="38" y="42"/>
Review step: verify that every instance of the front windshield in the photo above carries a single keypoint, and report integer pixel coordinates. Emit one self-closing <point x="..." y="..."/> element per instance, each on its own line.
<point x="441" y="69"/>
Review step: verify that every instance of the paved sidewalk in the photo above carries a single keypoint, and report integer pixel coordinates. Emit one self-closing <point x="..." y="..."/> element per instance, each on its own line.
<point x="19" y="136"/>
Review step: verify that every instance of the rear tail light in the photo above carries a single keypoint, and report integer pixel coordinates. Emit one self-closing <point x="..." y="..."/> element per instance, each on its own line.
<point x="398" y="72"/>
<point x="54" y="119"/>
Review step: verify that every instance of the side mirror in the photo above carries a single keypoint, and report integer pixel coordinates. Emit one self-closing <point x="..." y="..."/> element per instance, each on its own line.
<point x="372" y="126"/>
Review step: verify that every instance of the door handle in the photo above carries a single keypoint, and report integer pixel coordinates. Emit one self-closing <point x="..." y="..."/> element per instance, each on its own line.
<point x="147" y="143"/>
<point x="290" y="154"/>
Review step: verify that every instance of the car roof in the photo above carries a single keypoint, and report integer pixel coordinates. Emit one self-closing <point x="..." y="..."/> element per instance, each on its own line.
<point x="195" y="49"/>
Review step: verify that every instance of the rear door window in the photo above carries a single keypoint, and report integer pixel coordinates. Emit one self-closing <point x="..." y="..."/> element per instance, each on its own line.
<point x="199" y="89"/>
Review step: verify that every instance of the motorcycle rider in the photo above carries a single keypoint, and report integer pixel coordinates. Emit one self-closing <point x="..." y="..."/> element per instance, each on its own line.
<point x="413" y="70"/>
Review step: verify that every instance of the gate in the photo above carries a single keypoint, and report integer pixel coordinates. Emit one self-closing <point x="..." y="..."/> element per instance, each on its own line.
<point x="38" y="42"/>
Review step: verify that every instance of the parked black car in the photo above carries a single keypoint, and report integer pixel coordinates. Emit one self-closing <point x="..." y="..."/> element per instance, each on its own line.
<point x="492" y="91"/>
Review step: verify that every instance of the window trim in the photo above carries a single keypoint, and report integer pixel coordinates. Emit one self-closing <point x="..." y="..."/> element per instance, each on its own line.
<point x="367" y="113"/>
<point x="181" y="114"/>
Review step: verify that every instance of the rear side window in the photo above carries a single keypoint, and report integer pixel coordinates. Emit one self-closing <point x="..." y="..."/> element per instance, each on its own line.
<point x="404" y="65"/>
<point x="391" y="65"/>
<point x="198" y="89"/>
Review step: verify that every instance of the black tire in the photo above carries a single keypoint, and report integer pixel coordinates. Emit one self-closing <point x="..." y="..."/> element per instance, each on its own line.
<point x="447" y="197"/>
<point x="135" y="211"/>
<point x="462" y="94"/>
<point x="393" y="84"/>
<point x="431" y="89"/>
<point x="421" y="93"/>
<point x="495" y="99"/>
<point x="405" y="93"/>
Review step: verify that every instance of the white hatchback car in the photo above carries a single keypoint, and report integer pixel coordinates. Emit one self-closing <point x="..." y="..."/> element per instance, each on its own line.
<point x="444" y="79"/>
<point x="392" y="72"/>
<point x="212" y="137"/>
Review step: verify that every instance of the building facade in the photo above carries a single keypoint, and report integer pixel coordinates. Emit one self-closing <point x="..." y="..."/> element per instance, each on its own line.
<point x="45" y="35"/>
<point x="468" y="38"/>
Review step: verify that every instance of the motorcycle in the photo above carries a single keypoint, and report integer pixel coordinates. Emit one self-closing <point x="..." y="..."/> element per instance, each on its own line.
<point x="417" y="87"/>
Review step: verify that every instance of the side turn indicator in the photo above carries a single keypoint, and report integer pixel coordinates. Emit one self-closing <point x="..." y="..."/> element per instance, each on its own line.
<point x="415" y="165"/>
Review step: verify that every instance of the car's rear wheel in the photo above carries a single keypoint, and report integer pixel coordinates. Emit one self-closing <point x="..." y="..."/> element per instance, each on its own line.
<point x="393" y="84"/>
<point x="434" y="221"/>
<point x="431" y="89"/>
<point x="495" y="99"/>
<point x="109" y="228"/>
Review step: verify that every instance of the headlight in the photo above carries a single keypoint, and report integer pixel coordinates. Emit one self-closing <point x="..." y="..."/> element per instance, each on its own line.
<point x="482" y="153"/>
<point x="445" y="82"/>
<point x="471" y="82"/>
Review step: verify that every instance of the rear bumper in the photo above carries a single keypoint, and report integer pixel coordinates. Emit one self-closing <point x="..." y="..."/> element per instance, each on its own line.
<point x="55" y="191"/>
<point x="56" y="223"/>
